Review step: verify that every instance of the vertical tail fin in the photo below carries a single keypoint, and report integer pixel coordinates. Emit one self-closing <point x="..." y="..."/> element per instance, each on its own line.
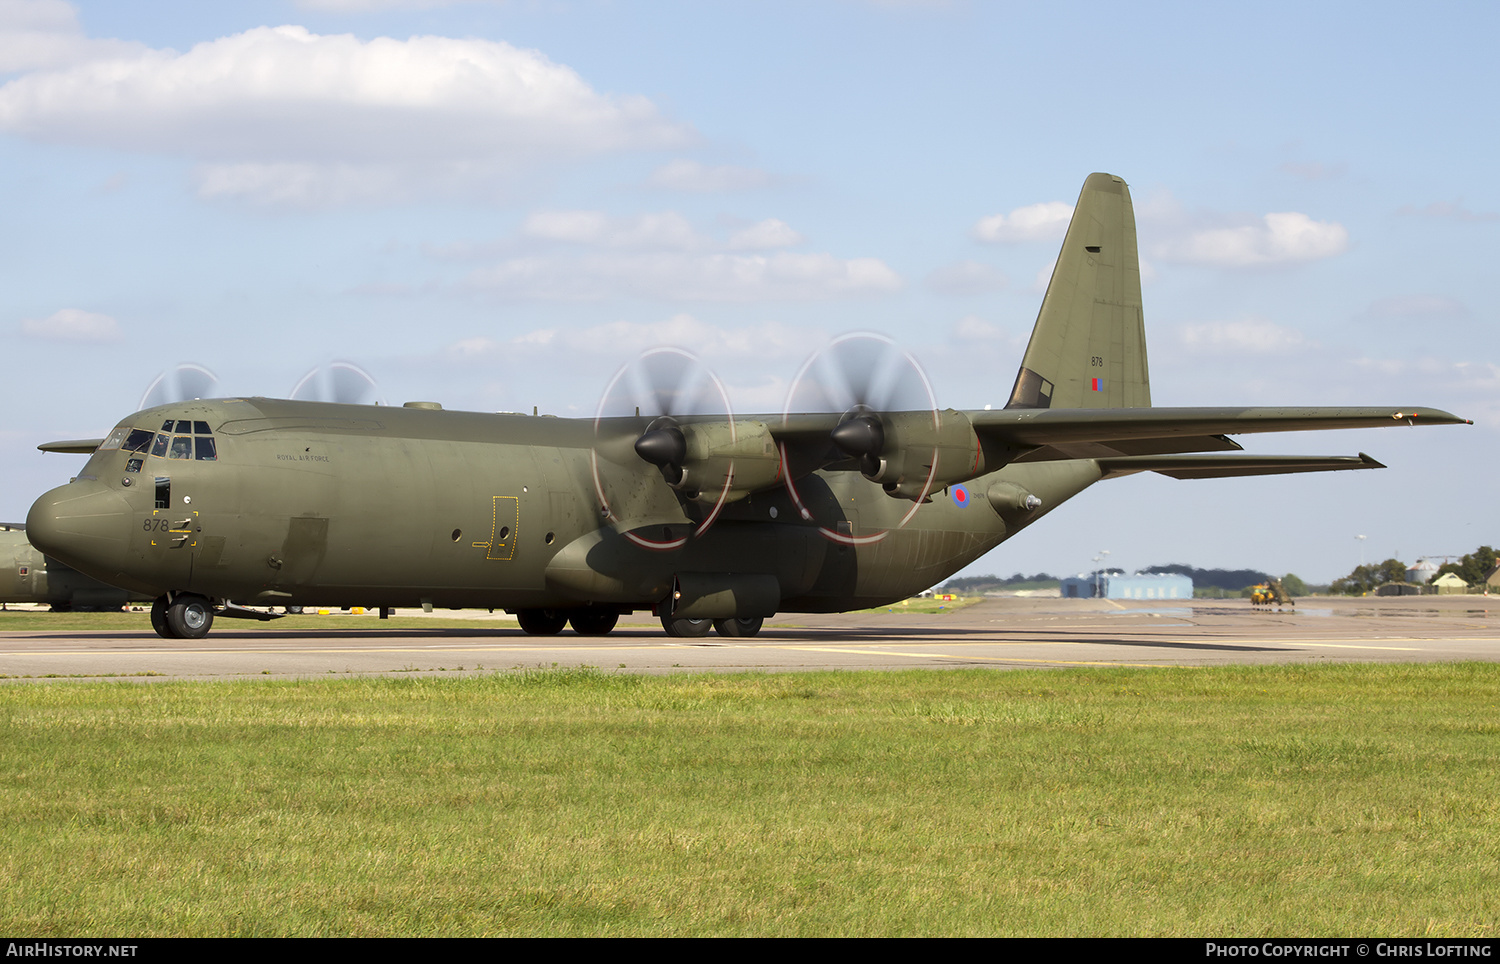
<point x="1088" y="349"/>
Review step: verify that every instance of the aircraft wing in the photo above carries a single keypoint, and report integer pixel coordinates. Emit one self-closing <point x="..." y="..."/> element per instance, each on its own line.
<point x="1229" y="466"/>
<point x="1049" y="434"/>
<point x="73" y="446"/>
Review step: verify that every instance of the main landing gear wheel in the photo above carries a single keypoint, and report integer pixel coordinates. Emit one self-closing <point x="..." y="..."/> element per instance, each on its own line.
<point x="739" y="627"/>
<point x="593" y="622"/>
<point x="541" y="622"/>
<point x="686" y="627"/>
<point x="189" y="617"/>
<point x="159" y="619"/>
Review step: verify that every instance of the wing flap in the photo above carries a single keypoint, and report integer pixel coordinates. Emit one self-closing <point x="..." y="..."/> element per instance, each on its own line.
<point x="1232" y="466"/>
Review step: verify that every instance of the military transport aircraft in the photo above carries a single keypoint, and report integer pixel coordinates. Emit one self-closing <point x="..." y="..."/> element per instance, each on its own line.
<point x="27" y="576"/>
<point x="707" y="520"/>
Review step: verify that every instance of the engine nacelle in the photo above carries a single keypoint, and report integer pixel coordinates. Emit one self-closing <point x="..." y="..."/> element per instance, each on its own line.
<point x="925" y="451"/>
<point x="726" y="460"/>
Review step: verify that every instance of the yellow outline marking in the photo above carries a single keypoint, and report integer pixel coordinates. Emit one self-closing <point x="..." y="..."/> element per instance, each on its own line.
<point x="495" y="546"/>
<point x="188" y="531"/>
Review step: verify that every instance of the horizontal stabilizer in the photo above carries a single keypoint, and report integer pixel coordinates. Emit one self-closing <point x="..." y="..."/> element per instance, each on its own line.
<point x="1230" y="466"/>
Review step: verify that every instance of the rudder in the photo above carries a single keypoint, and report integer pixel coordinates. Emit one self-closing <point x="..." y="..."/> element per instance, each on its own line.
<point x="1088" y="349"/>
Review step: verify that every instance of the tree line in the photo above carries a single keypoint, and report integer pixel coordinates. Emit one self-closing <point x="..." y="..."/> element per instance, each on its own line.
<point x="1472" y="569"/>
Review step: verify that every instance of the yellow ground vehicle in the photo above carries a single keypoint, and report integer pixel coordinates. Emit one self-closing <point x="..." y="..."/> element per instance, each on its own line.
<point x="1270" y="594"/>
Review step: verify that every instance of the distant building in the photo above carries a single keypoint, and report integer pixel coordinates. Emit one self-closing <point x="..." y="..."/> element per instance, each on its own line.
<point x="1421" y="573"/>
<point x="1163" y="585"/>
<point x="1449" y="583"/>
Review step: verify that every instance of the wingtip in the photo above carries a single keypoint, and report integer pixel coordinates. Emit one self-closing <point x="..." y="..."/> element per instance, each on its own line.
<point x="1430" y="416"/>
<point x="1370" y="463"/>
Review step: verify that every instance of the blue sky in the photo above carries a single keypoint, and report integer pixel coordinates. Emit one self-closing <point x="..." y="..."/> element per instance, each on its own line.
<point x="496" y="204"/>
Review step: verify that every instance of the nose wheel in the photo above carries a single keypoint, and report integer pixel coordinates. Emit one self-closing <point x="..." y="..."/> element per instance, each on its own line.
<point x="184" y="616"/>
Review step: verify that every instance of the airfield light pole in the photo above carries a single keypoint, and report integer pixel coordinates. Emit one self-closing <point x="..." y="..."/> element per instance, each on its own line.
<point x="1099" y="559"/>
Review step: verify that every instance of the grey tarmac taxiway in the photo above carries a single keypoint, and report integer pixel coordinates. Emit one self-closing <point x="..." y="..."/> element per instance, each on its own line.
<point x="1000" y="633"/>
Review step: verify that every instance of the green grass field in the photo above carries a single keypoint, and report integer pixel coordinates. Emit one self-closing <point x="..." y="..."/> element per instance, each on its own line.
<point x="1331" y="800"/>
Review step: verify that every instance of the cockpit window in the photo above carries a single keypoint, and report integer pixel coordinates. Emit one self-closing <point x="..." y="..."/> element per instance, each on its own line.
<point x="139" y="440"/>
<point x="180" y="438"/>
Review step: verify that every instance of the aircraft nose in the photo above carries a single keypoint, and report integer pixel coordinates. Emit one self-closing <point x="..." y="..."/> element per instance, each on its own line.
<point x="84" y="524"/>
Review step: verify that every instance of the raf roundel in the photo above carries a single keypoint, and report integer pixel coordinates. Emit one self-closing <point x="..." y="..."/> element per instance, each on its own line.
<point x="960" y="496"/>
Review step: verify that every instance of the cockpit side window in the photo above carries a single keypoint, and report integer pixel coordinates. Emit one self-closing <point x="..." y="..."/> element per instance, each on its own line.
<point x="139" y="440"/>
<point x="115" y="438"/>
<point x="207" y="452"/>
<point x="182" y="447"/>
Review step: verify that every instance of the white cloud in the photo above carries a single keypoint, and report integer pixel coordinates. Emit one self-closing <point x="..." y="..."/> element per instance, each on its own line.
<point x="374" y="6"/>
<point x="972" y="328"/>
<point x="966" y="278"/>
<point x="1448" y="209"/>
<point x="45" y="34"/>
<point x="73" y="324"/>
<point x="1470" y="388"/>
<point x="1245" y="336"/>
<point x="662" y="256"/>
<point x="1418" y="306"/>
<point x="691" y="176"/>
<point x="720" y="277"/>
<point x="763" y="235"/>
<point x="624" y="338"/>
<point x="1043" y="277"/>
<point x="666" y="229"/>
<point x="1034" y="222"/>
<point x="1278" y="238"/>
<point x="742" y="355"/>
<point x="285" y="115"/>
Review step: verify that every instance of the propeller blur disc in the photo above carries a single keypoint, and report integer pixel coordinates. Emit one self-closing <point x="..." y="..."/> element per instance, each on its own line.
<point x="860" y="375"/>
<point x="635" y="428"/>
<point x="182" y="383"/>
<point x="342" y="382"/>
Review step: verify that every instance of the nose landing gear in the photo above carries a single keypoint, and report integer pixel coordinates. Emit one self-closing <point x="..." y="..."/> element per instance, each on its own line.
<point x="182" y="616"/>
